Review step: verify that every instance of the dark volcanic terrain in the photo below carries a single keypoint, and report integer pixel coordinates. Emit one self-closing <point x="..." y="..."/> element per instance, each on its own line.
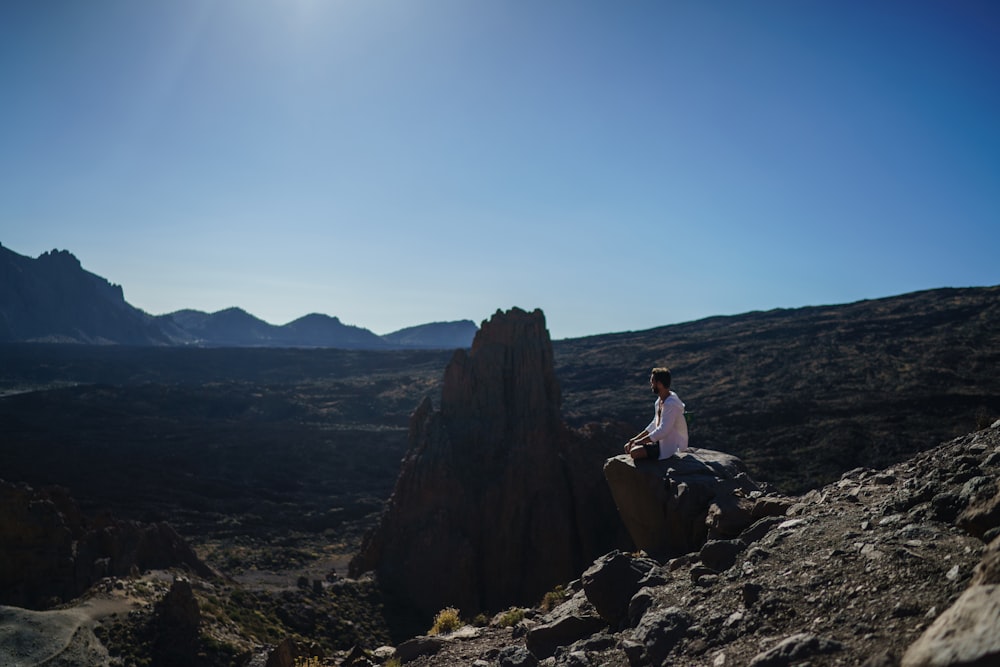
<point x="272" y="463"/>
<point x="250" y="444"/>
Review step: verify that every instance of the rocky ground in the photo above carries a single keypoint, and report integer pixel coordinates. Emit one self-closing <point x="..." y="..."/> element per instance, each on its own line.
<point x="854" y="575"/>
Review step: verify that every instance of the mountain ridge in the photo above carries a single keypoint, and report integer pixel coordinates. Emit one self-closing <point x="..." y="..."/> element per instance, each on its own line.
<point x="54" y="299"/>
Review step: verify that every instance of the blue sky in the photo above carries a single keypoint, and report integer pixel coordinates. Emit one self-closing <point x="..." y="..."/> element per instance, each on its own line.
<point x="621" y="165"/>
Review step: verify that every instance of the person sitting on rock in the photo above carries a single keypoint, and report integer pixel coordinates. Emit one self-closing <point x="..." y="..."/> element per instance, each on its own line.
<point x="667" y="434"/>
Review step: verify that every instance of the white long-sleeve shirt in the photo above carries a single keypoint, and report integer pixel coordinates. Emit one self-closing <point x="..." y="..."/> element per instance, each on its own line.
<point x="669" y="428"/>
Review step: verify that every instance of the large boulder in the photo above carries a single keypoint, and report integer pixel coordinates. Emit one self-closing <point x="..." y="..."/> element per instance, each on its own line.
<point x="612" y="581"/>
<point x="571" y="621"/>
<point x="966" y="634"/>
<point x="671" y="507"/>
<point x="657" y="634"/>
<point x="496" y="502"/>
<point x="795" y="650"/>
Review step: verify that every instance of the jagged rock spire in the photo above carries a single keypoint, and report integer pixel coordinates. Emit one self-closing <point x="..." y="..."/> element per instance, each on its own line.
<point x="483" y="514"/>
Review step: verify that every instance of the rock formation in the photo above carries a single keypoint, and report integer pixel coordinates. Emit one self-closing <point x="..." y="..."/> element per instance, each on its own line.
<point x="672" y="507"/>
<point x="880" y="569"/>
<point x="51" y="553"/>
<point x="494" y="505"/>
<point x="177" y="618"/>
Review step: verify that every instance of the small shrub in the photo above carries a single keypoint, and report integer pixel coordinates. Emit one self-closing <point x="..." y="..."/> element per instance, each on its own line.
<point x="447" y="620"/>
<point x="554" y="598"/>
<point x="511" y="617"/>
<point x="392" y="662"/>
<point x="480" y="621"/>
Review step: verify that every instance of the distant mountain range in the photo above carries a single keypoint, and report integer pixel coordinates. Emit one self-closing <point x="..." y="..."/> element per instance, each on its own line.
<point x="53" y="299"/>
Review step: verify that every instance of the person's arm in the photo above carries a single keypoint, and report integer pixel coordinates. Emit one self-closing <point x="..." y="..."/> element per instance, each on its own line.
<point x="672" y="411"/>
<point x="641" y="438"/>
<point x="638" y="438"/>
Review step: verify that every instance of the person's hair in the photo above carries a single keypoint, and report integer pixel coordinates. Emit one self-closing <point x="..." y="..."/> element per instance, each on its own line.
<point x="662" y="375"/>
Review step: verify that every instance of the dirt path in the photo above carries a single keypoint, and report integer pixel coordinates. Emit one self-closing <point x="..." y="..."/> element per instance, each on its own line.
<point x="59" y="637"/>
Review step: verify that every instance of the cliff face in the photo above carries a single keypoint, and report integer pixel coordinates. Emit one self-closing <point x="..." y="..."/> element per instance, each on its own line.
<point x="53" y="299"/>
<point x="487" y="510"/>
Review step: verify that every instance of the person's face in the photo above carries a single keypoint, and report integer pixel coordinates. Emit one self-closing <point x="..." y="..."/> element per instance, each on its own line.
<point x="654" y="385"/>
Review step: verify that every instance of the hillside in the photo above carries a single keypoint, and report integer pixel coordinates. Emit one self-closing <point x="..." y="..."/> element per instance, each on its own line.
<point x="805" y="394"/>
<point x="449" y="335"/>
<point x="53" y="299"/>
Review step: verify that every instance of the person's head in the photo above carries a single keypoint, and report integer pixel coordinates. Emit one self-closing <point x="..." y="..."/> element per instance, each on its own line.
<point x="659" y="377"/>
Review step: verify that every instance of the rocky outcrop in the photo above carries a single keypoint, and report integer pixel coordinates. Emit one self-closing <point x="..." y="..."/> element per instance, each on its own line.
<point x="672" y="507"/>
<point x="612" y="581"/>
<point x="289" y="653"/>
<point x="795" y="649"/>
<point x="571" y="621"/>
<point x="881" y="569"/>
<point x="968" y="633"/>
<point x="493" y="505"/>
<point x="51" y="553"/>
<point x="177" y="619"/>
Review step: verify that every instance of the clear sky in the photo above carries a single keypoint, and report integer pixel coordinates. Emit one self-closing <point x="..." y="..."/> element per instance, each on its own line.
<point x="620" y="165"/>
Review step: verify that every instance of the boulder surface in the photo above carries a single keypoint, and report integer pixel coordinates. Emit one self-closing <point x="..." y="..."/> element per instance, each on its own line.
<point x="671" y="507"/>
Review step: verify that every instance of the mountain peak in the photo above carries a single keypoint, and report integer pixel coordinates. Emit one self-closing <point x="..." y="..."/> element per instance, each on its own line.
<point x="316" y="318"/>
<point x="52" y="298"/>
<point x="61" y="258"/>
<point x="234" y="313"/>
<point x="435" y="335"/>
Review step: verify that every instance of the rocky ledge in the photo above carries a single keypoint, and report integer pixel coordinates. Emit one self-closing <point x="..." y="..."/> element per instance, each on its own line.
<point x="891" y="567"/>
